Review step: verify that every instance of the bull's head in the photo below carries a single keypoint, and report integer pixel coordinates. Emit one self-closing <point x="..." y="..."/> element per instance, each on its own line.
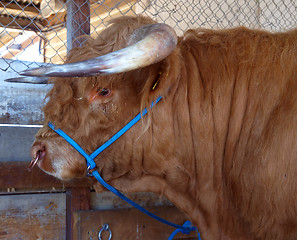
<point x="90" y="105"/>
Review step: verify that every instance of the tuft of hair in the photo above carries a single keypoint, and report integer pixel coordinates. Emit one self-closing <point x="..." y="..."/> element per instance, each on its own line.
<point x="110" y="39"/>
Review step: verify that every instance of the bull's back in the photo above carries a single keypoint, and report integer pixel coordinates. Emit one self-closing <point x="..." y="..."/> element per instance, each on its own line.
<point x="242" y="95"/>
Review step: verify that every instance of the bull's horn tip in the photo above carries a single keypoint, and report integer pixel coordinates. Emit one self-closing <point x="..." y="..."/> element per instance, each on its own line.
<point x="34" y="80"/>
<point x="39" y="72"/>
<point x="28" y="73"/>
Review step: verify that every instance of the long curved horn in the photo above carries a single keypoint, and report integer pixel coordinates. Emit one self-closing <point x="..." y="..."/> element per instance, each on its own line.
<point x="33" y="80"/>
<point x="154" y="43"/>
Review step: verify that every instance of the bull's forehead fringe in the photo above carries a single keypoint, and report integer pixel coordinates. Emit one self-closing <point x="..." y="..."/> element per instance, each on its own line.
<point x="111" y="39"/>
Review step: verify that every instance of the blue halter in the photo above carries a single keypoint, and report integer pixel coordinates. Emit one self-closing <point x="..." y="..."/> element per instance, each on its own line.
<point x="186" y="228"/>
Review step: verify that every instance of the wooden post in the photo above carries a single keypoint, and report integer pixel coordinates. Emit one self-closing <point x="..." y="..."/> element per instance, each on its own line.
<point x="78" y="22"/>
<point x="76" y="199"/>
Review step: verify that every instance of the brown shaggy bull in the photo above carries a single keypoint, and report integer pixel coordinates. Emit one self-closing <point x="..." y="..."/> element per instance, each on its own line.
<point x="222" y="143"/>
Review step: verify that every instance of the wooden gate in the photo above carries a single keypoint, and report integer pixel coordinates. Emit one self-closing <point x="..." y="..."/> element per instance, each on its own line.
<point x="37" y="206"/>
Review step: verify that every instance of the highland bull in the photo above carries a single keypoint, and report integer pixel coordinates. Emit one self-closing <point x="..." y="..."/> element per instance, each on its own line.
<point x="221" y="144"/>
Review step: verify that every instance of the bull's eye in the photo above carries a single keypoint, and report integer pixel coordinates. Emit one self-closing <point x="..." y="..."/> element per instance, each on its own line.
<point x="103" y="92"/>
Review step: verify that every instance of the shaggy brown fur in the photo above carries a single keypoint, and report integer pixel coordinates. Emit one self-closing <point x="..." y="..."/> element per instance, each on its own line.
<point x="221" y="145"/>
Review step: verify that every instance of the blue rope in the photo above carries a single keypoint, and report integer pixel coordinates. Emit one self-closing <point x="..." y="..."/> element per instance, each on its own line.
<point x="90" y="161"/>
<point x="186" y="224"/>
<point x="186" y="228"/>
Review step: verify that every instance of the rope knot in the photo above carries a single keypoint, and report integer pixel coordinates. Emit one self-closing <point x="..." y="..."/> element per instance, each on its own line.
<point x="188" y="228"/>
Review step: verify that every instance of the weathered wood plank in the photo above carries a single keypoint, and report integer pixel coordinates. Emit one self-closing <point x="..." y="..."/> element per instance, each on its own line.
<point x="76" y="199"/>
<point x="16" y="175"/>
<point x="22" y="23"/>
<point x="108" y="200"/>
<point x="78" y="22"/>
<point x="15" y="143"/>
<point x="32" y="216"/>
<point x="19" y="9"/>
<point x="20" y="103"/>
<point x="7" y="37"/>
<point x="129" y="224"/>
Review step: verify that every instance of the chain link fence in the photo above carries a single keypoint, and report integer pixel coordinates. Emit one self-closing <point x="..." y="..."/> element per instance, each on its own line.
<point x="39" y="31"/>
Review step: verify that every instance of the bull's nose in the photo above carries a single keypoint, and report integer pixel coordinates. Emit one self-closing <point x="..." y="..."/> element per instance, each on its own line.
<point x="38" y="152"/>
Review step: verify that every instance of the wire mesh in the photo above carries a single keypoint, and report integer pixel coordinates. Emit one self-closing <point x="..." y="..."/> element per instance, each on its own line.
<point x="37" y="31"/>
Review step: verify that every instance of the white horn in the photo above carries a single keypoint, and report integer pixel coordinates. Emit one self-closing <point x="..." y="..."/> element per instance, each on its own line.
<point x="156" y="42"/>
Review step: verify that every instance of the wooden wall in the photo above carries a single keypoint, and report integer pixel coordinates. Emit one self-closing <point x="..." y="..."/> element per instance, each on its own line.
<point x="37" y="206"/>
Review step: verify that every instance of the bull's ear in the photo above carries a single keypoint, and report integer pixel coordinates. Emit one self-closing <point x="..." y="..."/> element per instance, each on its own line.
<point x="167" y="77"/>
